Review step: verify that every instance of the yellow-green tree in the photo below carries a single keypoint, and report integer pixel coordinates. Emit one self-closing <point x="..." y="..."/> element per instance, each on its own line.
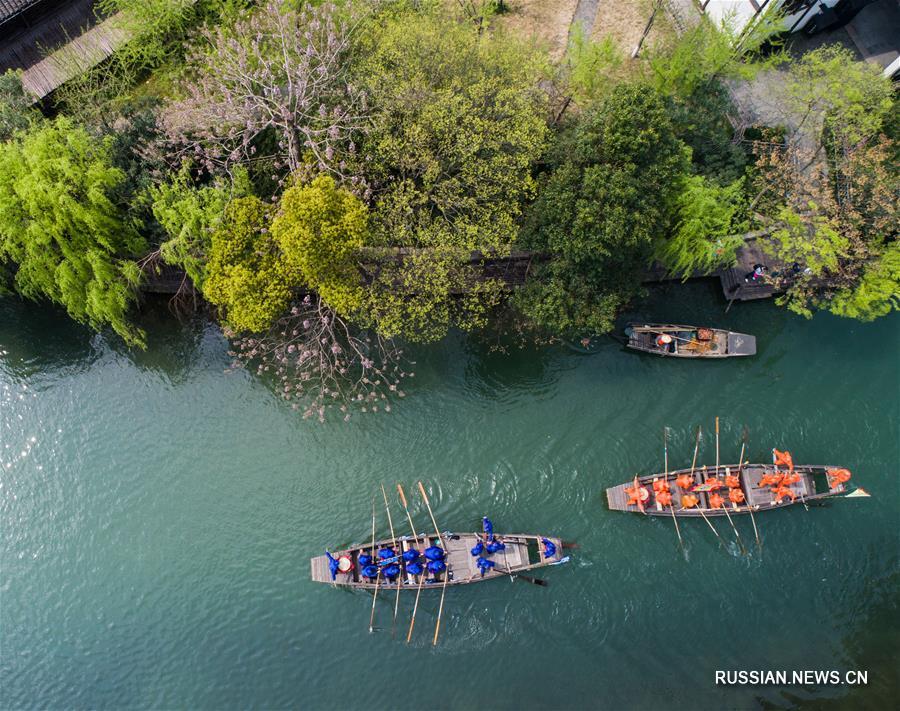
<point x="247" y="275"/>
<point x="320" y="228"/>
<point x="64" y="232"/>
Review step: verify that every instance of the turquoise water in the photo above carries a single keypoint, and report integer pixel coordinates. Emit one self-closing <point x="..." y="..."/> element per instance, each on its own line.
<point x="158" y="516"/>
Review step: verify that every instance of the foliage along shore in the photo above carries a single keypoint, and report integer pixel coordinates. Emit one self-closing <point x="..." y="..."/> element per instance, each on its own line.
<point x="263" y="147"/>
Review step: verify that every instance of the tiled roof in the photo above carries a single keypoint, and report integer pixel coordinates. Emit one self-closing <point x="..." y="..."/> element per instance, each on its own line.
<point x="8" y="8"/>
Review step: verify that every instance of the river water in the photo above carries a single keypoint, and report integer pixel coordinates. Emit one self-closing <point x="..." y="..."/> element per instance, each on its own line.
<point x="158" y="516"/>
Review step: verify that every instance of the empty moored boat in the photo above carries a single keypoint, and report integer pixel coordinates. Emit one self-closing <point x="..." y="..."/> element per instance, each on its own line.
<point x="707" y="491"/>
<point x="362" y="566"/>
<point x="678" y="341"/>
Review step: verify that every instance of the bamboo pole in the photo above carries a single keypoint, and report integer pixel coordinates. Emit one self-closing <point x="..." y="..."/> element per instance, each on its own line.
<point x="374" y="598"/>
<point x="737" y="534"/>
<point x="693" y="465"/>
<point x="412" y="620"/>
<point x="377" y="575"/>
<point x="749" y="505"/>
<point x="666" y="479"/>
<point x="394" y="546"/>
<point x="437" y="626"/>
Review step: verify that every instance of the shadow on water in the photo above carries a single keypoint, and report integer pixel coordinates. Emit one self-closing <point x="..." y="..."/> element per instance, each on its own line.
<point x="39" y="338"/>
<point x="494" y="373"/>
<point x="174" y="345"/>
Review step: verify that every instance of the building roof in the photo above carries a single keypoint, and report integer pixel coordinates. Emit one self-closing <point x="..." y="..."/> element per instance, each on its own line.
<point x="10" y="8"/>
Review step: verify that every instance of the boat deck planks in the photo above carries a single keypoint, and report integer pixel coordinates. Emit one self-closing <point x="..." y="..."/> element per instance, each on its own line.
<point x="760" y="498"/>
<point x="461" y="564"/>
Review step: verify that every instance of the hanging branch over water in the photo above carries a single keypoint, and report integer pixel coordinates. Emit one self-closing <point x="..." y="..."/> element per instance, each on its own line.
<point x="321" y="362"/>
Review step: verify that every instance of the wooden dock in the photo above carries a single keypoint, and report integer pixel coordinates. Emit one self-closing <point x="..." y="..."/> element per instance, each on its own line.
<point x="733" y="281"/>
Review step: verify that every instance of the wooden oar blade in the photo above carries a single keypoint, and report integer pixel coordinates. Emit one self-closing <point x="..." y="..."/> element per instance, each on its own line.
<point x="533" y="581"/>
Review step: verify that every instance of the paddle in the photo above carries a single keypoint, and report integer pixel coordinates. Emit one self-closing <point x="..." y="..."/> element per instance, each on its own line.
<point x="745" y="436"/>
<point x="412" y="620"/>
<point x="394" y="546"/>
<point x="693" y="466"/>
<point x="377" y="575"/>
<point x="526" y="578"/>
<point x="666" y="479"/>
<point x="737" y="535"/>
<point x="374" y="598"/>
<point x="437" y="626"/>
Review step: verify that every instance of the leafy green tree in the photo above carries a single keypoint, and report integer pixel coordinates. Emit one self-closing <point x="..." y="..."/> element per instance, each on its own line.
<point x="15" y="106"/>
<point x="851" y="98"/>
<point x="877" y="292"/>
<point x="601" y="210"/>
<point x="839" y="223"/>
<point x="246" y="275"/>
<point x="320" y="228"/>
<point x="457" y="123"/>
<point x="594" y="67"/>
<point x="831" y="203"/>
<point x="62" y="228"/>
<point x="709" y="218"/>
<point x="189" y="213"/>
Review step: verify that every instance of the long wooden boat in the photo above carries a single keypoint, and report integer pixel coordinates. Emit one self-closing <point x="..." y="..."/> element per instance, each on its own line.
<point x="813" y="484"/>
<point x="679" y="341"/>
<point x="523" y="552"/>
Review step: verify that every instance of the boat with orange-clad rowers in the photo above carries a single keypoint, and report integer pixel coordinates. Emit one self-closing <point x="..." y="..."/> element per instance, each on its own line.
<point x="731" y="488"/>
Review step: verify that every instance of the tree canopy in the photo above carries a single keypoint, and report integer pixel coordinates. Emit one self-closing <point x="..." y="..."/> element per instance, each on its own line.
<point x="63" y="228"/>
<point x="246" y="275"/>
<point x="601" y="210"/>
<point x="320" y="229"/>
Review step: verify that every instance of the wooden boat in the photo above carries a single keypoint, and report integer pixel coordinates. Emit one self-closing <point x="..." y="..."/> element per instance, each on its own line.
<point x="814" y="484"/>
<point x="523" y="552"/>
<point x="688" y="341"/>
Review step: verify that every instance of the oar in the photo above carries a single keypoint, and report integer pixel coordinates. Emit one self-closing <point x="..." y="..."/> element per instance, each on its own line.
<point x="737" y="535"/>
<point x="377" y="575"/>
<point x="745" y="435"/>
<point x="666" y="479"/>
<point x="400" y="575"/>
<point x="374" y="598"/>
<point x="437" y="626"/>
<point x="693" y="465"/>
<point x="526" y="578"/>
<point x="412" y="620"/>
<point x="406" y="508"/>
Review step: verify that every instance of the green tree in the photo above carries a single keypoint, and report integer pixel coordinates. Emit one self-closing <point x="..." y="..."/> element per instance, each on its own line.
<point x="457" y="123"/>
<point x="188" y="213"/>
<point x="709" y="218"/>
<point x="246" y="275"/>
<point x="851" y="98"/>
<point x="830" y="196"/>
<point x="877" y="292"/>
<point x="839" y="221"/>
<point x="63" y="230"/>
<point x="320" y="228"/>
<point x="15" y="106"/>
<point x="601" y="211"/>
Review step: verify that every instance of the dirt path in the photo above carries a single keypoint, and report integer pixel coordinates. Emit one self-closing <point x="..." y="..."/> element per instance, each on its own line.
<point x="585" y="16"/>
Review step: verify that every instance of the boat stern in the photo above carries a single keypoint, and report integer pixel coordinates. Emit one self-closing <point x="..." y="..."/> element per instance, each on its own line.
<point x="741" y="344"/>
